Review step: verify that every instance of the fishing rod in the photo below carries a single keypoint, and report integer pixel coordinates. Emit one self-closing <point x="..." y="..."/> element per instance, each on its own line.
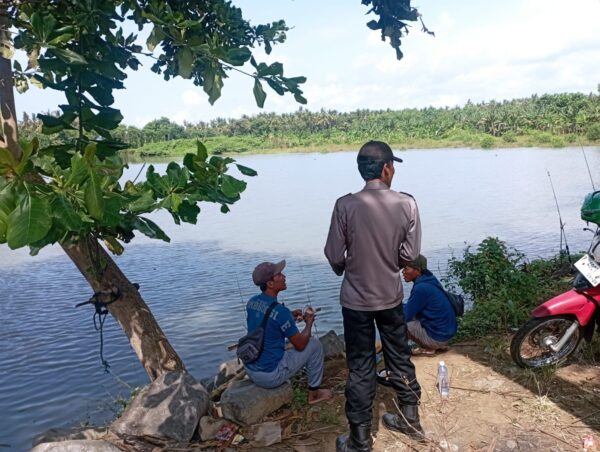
<point x="588" y="167"/>
<point x="562" y="224"/>
<point x="308" y="297"/>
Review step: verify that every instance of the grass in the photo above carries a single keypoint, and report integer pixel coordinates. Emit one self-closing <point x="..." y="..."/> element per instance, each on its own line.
<point x="331" y="142"/>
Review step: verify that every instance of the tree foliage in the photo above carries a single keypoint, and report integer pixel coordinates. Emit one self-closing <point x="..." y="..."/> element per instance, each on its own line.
<point x="63" y="191"/>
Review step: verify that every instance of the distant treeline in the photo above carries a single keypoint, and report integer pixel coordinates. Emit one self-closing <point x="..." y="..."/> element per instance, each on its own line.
<point x="553" y="119"/>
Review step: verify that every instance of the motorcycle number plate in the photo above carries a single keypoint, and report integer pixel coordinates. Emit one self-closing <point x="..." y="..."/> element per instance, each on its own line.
<point x="589" y="268"/>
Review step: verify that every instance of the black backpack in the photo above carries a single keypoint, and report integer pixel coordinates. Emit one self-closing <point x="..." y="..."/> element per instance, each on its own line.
<point x="250" y="346"/>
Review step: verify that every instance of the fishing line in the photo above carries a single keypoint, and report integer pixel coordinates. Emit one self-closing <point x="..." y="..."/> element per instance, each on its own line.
<point x="588" y="167"/>
<point x="562" y="225"/>
<point x="306" y="290"/>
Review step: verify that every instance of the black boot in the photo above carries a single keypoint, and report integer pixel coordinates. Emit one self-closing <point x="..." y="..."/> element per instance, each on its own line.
<point x="406" y="422"/>
<point x="358" y="441"/>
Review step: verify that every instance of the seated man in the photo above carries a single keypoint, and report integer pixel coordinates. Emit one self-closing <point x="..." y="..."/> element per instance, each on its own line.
<point x="429" y="315"/>
<point x="275" y="365"/>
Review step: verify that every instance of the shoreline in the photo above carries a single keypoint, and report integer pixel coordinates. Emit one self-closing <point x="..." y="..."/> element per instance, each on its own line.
<point x="219" y="146"/>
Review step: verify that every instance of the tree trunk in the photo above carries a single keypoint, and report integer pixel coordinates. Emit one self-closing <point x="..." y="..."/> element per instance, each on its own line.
<point x="130" y="311"/>
<point x="8" y="123"/>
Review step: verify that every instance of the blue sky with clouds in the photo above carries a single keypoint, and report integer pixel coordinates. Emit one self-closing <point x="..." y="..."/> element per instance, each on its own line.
<point x="483" y="50"/>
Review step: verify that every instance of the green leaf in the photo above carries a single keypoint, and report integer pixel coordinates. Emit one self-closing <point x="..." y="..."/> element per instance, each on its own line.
<point x="150" y="229"/>
<point x="8" y="203"/>
<point x="276" y="86"/>
<point x="232" y="187"/>
<point x="112" y="211"/>
<point x="92" y="196"/>
<point x="101" y="95"/>
<point x="29" y="222"/>
<point x="60" y="39"/>
<point x="239" y="56"/>
<point x="155" y="38"/>
<point x="259" y="93"/>
<point x="7" y="161"/>
<point x="202" y="151"/>
<point x="29" y="148"/>
<point x="188" y="211"/>
<point x="143" y="203"/>
<point x="213" y="82"/>
<point x="68" y="56"/>
<point x="65" y="214"/>
<point x="300" y="99"/>
<point x="245" y="170"/>
<point x="79" y="170"/>
<point x="113" y="245"/>
<point x="177" y="177"/>
<point x="185" y="62"/>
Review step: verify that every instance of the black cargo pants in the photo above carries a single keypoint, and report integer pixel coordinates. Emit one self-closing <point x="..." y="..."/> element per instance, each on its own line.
<point x="359" y="334"/>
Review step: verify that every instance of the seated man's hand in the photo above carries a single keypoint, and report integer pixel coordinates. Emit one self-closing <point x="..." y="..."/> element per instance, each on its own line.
<point x="297" y="313"/>
<point x="309" y="315"/>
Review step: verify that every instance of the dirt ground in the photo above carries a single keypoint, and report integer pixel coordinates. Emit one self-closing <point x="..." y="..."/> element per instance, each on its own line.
<point x="493" y="406"/>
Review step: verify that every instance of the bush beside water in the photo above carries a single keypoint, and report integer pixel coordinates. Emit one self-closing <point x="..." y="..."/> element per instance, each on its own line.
<point x="503" y="286"/>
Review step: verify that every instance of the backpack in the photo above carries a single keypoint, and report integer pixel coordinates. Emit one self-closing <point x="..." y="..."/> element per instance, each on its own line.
<point x="456" y="301"/>
<point x="250" y="347"/>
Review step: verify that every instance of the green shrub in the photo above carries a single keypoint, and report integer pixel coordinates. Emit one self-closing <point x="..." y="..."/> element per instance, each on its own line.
<point x="502" y="286"/>
<point x="557" y="142"/>
<point x="509" y="137"/>
<point x="593" y="133"/>
<point x="487" y="142"/>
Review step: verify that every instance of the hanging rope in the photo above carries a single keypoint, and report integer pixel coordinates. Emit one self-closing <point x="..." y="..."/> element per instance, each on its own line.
<point x="101" y="300"/>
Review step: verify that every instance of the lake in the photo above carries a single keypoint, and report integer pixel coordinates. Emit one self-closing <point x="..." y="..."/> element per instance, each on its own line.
<point x="51" y="375"/>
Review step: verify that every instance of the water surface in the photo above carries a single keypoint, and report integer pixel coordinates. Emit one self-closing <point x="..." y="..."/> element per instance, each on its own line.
<point x="50" y="373"/>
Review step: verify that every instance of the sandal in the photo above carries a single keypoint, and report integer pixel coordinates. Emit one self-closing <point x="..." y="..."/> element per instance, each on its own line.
<point x="420" y="351"/>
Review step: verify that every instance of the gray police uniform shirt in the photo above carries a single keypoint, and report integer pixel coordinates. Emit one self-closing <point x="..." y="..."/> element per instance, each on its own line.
<point x="373" y="234"/>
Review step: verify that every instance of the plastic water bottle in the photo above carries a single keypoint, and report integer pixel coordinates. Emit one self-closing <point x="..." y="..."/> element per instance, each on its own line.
<point x="442" y="383"/>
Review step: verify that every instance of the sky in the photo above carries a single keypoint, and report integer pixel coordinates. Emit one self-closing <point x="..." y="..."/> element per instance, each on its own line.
<point x="482" y="50"/>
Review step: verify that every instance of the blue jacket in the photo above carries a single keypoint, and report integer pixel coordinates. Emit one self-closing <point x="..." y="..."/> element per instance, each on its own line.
<point x="430" y="306"/>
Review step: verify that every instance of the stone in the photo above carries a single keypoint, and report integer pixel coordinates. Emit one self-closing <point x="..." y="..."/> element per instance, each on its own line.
<point x="76" y="446"/>
<point x="266" y="434"/>
<point x="333" y="345"/>
<point x="245" y="403"/>
<point x="170" y="408"/>
<point x="209" y="426"/>
<point x="64" y="434"/>
<point x="227" y="371"/>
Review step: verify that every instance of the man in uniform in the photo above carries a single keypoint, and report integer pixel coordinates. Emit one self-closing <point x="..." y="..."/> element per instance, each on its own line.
<point x="373" y="234"/>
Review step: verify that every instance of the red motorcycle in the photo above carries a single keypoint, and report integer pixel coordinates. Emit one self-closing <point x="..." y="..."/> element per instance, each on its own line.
<point x="558" y="325"/>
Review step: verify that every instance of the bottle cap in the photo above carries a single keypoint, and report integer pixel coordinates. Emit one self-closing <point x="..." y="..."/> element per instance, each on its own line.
<point x="442" y="363"/>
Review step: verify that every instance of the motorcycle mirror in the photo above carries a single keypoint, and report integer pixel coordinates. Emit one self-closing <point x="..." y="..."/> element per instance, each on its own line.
<point x="588" y="229"/>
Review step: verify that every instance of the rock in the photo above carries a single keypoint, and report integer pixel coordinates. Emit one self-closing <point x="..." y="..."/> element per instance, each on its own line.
<point x="266" y="434"/>
<point x="245" y="403"/>
<point x="76" y="446"/>
<point x="511" y="444"/>
<point x="64" y="434"/>
<point x="170" y="407"/>
<point x="209" y="426"/>
<point x="227" y="371"/>
<point x="333" y="345"/>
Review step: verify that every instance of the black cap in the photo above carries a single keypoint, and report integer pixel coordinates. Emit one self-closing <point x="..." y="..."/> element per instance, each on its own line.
<point x="376" y="151"/>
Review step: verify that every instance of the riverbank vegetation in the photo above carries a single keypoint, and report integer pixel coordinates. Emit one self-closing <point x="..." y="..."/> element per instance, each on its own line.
<point x="503" y="286"/>
<point x="551" y="120"/>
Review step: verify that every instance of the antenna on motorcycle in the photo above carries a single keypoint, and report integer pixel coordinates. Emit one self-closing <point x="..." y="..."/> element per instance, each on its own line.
<point x="562" y="225"/>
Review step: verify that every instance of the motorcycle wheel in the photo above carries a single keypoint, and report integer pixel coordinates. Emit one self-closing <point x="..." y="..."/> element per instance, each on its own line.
<point x="530" y="346"/>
